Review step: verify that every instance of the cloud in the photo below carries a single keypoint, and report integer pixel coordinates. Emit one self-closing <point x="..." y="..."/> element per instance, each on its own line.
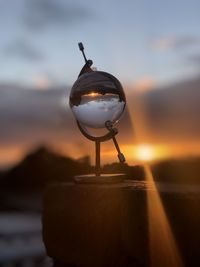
<point x="41" y="14"/>
<point x="21" y="48"/>
<point x="30" y="117"/>
<point x="174" y="42"/>
<point x="194" y="60"/>
<point x="173" y="112"/>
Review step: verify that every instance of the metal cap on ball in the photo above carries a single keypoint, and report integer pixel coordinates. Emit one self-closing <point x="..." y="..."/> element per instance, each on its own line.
<point x="97" y="101"/>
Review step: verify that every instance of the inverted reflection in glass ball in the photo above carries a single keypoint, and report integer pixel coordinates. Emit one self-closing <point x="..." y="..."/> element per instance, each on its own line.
<point x="97" y="97"/>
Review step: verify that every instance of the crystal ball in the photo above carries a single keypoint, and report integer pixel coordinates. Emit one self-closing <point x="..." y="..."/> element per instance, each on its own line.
<point x="97" y="97"/>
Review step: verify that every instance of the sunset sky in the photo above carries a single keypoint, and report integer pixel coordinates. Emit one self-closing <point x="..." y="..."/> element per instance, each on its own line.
<point x="152" y="47"/>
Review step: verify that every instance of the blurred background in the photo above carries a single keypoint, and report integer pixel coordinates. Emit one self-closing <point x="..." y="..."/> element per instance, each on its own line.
<point x="152" y="47"/>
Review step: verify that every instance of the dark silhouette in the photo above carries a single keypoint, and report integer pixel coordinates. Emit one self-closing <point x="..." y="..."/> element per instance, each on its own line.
<point x="182" y="171"/>
<point x="27" y="180"/>
<point x="132" y="172"/>
<point x="44" y="166"/>
<point x="41" y="167"/>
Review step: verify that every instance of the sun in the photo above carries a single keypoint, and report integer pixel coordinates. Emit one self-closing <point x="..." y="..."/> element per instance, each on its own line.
<point x="93" y="94"/>
<point x="145" y="152"/>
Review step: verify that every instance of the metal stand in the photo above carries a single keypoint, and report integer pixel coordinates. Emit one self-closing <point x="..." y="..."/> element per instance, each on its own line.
<point x="112" y="132"/>
<point x="98" y="158"/>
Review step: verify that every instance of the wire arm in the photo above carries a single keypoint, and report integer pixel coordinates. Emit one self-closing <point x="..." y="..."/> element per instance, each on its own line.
<point x="110" y="128"/>
<point x="81" y="47"/>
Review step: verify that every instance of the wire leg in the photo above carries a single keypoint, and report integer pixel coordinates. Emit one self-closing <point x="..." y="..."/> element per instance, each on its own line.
<point x="98" y="160"/>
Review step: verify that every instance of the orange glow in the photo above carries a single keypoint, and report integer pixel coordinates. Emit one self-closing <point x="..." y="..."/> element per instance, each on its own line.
<point x="135" y="154"/>
<point x="145" y="84"/>
<point x="41" y="82"/>
<point x="150" y="152"/>
<point x="145" y="152"/>
<point x="11" y="155"/>
<point x="93" y="94"/>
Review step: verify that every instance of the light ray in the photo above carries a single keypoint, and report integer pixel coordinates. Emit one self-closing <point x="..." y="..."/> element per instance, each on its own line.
<point x="163" y="248"/>
<point x="162" y="245"/>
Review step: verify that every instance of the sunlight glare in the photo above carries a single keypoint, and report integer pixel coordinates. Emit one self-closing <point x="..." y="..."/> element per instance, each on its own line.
<point x="93" y="94"/>
<point x="145" y="153"/>
<point x="163" y="248"/>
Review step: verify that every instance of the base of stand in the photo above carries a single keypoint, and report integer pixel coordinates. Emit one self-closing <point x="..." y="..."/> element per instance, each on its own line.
<point x="102" y="179"/>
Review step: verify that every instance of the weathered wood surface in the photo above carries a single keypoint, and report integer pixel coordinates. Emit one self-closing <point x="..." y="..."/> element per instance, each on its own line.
<point x="107" y="225"/>
<point x="96" y="225"/>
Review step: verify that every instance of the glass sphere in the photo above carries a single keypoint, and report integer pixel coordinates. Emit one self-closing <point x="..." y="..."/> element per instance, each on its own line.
<point x="97" y="97"/>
